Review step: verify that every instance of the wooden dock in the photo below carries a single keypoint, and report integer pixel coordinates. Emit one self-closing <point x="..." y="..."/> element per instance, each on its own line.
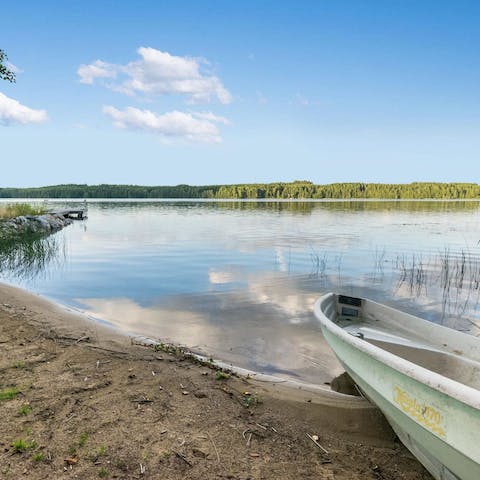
<point x="78" y="214"/>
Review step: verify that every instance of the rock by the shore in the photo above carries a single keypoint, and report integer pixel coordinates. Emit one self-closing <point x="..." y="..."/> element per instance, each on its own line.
<point x="33" y="224"/>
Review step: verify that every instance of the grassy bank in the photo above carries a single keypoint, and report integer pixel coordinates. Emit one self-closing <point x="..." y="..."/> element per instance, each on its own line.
<point x="13" y="210"/>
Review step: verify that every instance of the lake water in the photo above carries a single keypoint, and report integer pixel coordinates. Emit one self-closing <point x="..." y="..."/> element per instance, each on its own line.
<point x="237" y="280"/>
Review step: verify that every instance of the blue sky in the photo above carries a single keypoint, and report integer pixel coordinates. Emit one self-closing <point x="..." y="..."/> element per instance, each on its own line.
<point x="211" y="92"/>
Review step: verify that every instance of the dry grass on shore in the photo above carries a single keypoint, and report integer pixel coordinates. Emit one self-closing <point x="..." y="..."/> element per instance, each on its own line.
<point x="12" y="210"/>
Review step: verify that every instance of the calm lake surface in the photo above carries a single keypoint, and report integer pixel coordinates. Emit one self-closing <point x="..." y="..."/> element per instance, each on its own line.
<point x="237" y="280"/>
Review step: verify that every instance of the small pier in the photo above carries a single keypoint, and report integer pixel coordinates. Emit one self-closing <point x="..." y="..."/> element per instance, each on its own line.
<point x="78" y="214"/>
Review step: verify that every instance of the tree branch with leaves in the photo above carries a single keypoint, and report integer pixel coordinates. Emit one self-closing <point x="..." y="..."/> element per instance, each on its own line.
<point x="6" y="73"/>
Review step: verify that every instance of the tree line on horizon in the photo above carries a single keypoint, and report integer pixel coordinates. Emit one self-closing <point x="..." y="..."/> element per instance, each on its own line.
<point x="279" y="190"/>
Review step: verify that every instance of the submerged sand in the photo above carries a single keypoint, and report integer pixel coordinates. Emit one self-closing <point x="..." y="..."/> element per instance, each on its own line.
<point x="86" y="402"/>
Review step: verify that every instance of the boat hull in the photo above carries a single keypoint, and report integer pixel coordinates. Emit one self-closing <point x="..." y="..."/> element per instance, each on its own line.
<point x="441" y="431"/>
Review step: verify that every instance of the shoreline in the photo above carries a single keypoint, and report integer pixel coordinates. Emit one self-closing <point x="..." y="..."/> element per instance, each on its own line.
<point x="230" y="200"/>
<point x="76" y="322"/>
<point x="88" y="402"/>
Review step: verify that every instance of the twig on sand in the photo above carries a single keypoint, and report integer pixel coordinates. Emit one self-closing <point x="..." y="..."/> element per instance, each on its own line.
<point x="249" y="439"/>
<point x="70" y="417"/>
<point x="81" y="339"/>
<point x="317" y="444"/>
<point x="183" y="457"/>
<point x="142" y="401"/>
<point x="214" y="446"/>
<point x="109" y="350"/>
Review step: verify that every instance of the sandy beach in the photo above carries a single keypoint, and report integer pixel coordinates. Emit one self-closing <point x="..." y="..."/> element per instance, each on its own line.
<point x="80" y="400"/>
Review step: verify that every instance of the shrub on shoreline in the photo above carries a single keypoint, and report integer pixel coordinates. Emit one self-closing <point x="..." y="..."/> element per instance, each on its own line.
<point x="12" y="210"/>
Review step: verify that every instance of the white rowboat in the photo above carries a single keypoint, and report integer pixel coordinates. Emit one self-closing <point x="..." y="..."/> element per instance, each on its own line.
<point x="424" y="377"/>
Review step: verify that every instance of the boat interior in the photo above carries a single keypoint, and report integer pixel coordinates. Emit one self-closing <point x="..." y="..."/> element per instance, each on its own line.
<point x="417" y="347"/>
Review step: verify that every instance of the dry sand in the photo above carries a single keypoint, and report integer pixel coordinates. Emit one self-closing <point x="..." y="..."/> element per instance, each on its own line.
<point x="87" y="403"/>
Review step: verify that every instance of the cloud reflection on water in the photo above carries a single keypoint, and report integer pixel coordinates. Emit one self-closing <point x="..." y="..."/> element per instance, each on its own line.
<point x="238" y="279"/>
<point x="268" y="326"/>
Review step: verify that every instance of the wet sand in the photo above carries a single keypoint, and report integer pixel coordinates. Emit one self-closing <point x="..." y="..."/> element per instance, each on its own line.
<point x="86" y="402"/>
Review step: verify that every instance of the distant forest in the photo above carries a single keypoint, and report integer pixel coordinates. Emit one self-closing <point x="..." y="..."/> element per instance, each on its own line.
<point x="292" y="190"/>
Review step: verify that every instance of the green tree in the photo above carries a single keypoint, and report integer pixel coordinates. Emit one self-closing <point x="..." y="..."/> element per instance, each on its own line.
<point x="5" y="72"/>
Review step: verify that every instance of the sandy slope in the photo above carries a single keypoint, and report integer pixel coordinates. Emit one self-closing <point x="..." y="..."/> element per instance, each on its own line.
<point x="104" y="408"/>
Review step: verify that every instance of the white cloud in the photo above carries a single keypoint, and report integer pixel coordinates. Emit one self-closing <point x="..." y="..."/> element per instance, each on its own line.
<point x="159" y="73"/>
<point x="12" y="111"/>
<point x="188" y="126"/>
<point x="98" y="69"/>
<point x="212" y="117"/>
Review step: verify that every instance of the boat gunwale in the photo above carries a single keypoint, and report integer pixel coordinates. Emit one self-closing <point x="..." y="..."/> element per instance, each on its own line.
<point x="456" y="390"/>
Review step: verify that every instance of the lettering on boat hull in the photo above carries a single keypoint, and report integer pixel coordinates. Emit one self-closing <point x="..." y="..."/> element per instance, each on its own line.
<point x="427" y="415"/>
